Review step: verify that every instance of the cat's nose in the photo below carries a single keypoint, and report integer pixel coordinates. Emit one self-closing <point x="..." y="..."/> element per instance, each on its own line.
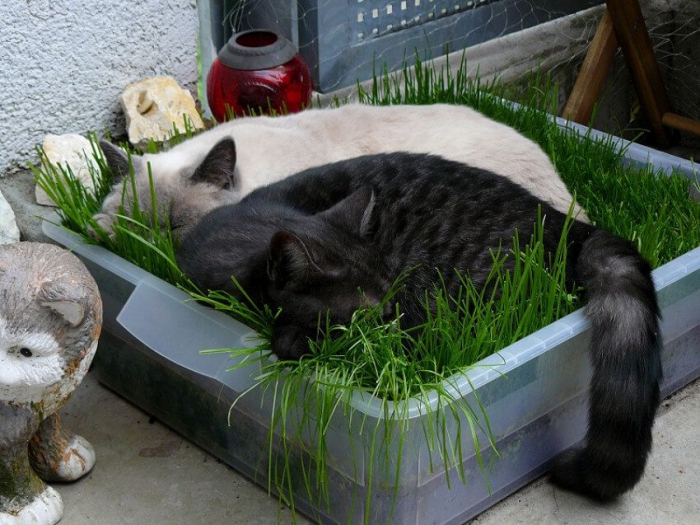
<point x="367" y="301"/>
<point x="388" y="311"/>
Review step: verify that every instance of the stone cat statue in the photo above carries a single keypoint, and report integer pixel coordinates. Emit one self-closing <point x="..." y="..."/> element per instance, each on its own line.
<point x="50" y="320"/>
<point x="222" y="165"/>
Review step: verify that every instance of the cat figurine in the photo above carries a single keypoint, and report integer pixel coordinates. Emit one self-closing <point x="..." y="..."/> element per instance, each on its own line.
<point x="250" y="152"/>
<point x="50" y="321"/>
<point x="333" y="238"/>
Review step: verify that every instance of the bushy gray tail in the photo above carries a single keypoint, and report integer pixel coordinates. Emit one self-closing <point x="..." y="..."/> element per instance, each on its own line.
<point x="625" y="352"/>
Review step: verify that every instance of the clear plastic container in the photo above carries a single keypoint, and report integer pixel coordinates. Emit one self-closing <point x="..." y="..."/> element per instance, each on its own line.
<point x="535" y="398"/>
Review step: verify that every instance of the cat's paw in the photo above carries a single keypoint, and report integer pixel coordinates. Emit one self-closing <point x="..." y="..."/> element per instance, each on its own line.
<point x="56" y="454"/>
<point x="105" y="222"/>
<point x="45" y="508"/>
<point x="78" y="459"/>
<point x="289" y="342"/>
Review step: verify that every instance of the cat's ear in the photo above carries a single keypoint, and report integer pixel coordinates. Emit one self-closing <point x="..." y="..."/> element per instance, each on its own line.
<point x="64" y="301"/>
<point x="289" y="260"/>
<point x="71" y="311"/>
<point x="217" y="168"/>
<point x="354" y="212"/>
<point x="117" y="160"/>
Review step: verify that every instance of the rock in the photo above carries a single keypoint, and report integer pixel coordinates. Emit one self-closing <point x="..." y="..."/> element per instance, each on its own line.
<point x="74" y="154"/>
<point x="9" y="232"/>
<point x="154" y="106"/>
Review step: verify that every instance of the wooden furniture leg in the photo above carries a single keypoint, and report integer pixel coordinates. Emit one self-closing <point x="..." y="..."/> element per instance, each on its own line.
<point x="623" y="24"/>
<point x="631" y="32"/>
<point x="594" y="70"/>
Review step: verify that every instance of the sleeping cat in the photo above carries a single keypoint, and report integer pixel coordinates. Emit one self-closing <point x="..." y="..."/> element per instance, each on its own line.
<point x="333" y="238"/>
<point x="251" y="152"/>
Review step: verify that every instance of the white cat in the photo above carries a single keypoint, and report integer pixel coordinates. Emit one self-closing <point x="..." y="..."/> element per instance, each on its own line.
<point x="268" y="149"/>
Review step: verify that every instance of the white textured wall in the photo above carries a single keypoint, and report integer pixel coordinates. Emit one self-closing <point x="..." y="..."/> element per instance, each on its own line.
<point x="64" y="62"/>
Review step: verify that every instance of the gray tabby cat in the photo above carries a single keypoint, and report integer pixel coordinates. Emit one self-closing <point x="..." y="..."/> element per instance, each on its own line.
<point x="333" y="238"/>
<point x="255" y="151"/>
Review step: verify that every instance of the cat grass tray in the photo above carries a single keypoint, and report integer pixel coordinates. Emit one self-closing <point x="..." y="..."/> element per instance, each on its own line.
<point x="535" y="395"/>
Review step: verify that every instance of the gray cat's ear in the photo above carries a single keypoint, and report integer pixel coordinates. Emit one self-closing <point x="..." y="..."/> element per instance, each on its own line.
<point x="354" y="212"/>
<point x="289" y="260"/>
<point x="218" y="166"/>
<point x="117" y="160"/>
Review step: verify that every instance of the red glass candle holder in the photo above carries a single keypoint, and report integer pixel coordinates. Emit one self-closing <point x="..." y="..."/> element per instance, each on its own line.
<point x="257" y="71"/>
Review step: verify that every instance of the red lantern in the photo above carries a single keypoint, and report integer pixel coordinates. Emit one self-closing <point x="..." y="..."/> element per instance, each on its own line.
<point x="257" y="70"/>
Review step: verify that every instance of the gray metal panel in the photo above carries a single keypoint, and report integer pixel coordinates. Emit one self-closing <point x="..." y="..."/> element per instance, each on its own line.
<point x="278" y="15"/>
<point x="347" y="49"/>
<point x="342" y="40"/>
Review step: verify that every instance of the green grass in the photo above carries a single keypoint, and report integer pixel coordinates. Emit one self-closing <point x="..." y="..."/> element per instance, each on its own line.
<point x="152" y="249"/>
<point x="371" y="357"/>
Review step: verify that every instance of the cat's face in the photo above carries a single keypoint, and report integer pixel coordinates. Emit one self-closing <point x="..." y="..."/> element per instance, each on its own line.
<point x="327" y="271"/>
<point x="30" y="362"/>
<point x="184" y="194"/>
<point x="50" y="320"/>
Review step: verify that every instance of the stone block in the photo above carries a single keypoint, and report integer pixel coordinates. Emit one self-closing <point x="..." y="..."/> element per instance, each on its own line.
<point x="9" y="233"/>
<point x="71" y="152"/>
<point x="154" y="106"/>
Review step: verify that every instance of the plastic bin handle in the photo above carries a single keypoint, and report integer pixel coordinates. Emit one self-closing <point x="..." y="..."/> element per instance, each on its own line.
<point x="178" y="330"/>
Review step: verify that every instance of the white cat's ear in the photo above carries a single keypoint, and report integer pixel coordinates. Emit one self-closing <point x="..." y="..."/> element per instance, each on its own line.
<point x="117" y="160"/>
<point x="354" y="212"/>
<point x="218" y="166"/>
<point x="289" y="260"/>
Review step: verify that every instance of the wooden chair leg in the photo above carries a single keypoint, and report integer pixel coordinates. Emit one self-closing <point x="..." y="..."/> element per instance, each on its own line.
<point x="594" y="71"/>
<point x="631" y="33"/>
<point x="671" y="120"/>
<point x="622" y="24"/>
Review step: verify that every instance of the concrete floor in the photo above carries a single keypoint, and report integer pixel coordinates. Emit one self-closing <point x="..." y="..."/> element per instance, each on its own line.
<point x="147" y="474"/>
